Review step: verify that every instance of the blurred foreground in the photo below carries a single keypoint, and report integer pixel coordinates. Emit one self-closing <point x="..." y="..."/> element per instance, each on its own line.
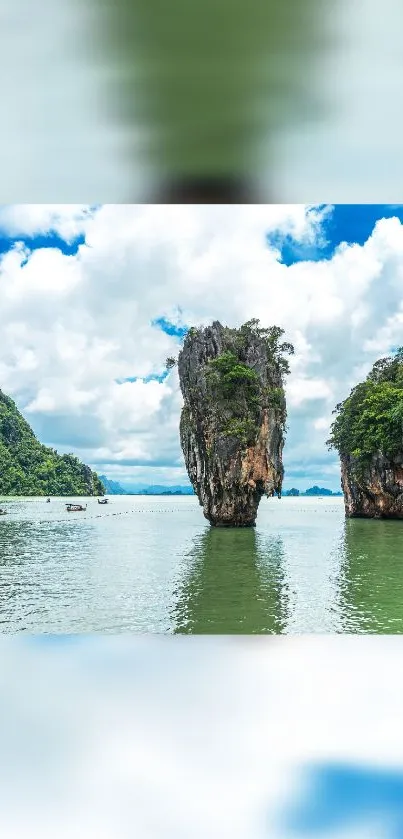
<point x="174" y="737"/>
<point x="219" y="102"/>
<point x="202" y="87"/>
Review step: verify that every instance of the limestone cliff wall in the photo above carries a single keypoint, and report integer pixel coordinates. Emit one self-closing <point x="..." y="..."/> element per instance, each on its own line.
<point x="373" y="490"/>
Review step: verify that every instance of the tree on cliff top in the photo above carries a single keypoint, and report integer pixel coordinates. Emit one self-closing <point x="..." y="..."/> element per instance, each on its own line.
<point x="370" y="420"/>
<point x="276" y="349"/>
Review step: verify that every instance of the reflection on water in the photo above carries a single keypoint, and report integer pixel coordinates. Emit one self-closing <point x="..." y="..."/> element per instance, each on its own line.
<point x="105" y="570"/>
<point x="371" y="584"/>
<point x="234" y="584"/>
<point x="152" y="565"/>
<point x="41" y="585"/>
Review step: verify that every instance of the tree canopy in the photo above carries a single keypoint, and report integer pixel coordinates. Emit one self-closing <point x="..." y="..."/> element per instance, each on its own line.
<point x="370" y="420"/>
<point x="276" y="349"/>
<point x="29" y="468"/>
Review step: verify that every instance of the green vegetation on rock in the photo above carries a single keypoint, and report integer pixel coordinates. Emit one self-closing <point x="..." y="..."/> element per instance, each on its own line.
<point x="236" y="387"/>
<point x="370" y="420"/>
<point x="271" y="336"/>
<point x="29" y="468"/>
<point x="229" y="377"/>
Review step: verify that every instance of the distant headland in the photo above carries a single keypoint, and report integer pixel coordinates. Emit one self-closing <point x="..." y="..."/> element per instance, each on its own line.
<point x="314" y="491"/>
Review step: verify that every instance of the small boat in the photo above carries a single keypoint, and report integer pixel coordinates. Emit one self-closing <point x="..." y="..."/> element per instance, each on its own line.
<point x="103" y="500"/>
<point x="48" y="500"/>
<point x="3" y="512"/>
<point x="75" y="508"/>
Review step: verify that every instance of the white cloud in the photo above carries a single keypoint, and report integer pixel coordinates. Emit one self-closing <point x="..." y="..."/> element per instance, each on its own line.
<point x="72" y="326"/>
<point x="301" y="390"/>
<point x="68" y="220"/>
<point x="322" y="423"/>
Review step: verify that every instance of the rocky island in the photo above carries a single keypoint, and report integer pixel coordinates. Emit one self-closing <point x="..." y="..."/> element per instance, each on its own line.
<point x="27" y="467"/>
<point x="368" y="435"/>
<point x="233" y="419"/>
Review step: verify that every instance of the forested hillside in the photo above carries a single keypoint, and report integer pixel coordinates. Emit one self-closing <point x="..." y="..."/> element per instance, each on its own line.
<point x="29" y="468"/>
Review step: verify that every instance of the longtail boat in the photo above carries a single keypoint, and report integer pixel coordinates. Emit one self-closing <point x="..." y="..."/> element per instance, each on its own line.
<point x="103" y="500"/>
<point x="75" y="508"/>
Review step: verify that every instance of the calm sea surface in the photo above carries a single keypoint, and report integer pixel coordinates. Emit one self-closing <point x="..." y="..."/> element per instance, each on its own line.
<point x="143" y="564"/>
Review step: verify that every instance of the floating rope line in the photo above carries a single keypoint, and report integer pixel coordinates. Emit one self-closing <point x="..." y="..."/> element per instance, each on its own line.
<point x="142" y="510"/>
<point x="99" y="515"/>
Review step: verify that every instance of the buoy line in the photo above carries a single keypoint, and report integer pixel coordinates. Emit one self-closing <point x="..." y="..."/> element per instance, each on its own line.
<point x="97" y="516"/>
<point x="153" y="510"/>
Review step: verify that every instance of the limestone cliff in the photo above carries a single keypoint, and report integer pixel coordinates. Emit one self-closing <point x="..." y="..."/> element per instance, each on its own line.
<point x="368" y="435"/>
<point x="233" y="418"/>
<point x="374" y="489"/>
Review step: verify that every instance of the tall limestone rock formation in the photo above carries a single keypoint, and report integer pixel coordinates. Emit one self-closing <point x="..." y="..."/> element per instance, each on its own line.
<point x="233" y="419"/>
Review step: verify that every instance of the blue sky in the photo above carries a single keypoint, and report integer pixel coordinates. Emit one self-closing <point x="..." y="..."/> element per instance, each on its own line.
<point x="50" y="240"/>
<point x="100" y="296"/>
<point x="350" y="223"/>
<point x="346" y="223"/>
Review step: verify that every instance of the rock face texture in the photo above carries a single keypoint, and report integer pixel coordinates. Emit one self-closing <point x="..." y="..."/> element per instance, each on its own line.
<point x="232" y="422"/>
<point x="374" y="490"/>
<point x="368" y="435"/>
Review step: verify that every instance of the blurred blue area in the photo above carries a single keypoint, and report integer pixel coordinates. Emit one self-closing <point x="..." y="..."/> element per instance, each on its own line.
<point x="338" y="797"/>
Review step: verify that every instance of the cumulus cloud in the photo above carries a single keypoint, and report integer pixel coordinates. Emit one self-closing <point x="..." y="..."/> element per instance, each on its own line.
<point x="68" y="220"/>
<point x="82" y="335"/>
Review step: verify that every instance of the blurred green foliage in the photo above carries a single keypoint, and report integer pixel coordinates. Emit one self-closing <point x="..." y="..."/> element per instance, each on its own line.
<point x="202" y="87"/>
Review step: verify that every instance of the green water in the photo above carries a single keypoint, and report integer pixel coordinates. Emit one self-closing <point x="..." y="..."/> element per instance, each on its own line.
<point x="371" y="577"/>
<point x="154" y="565"/>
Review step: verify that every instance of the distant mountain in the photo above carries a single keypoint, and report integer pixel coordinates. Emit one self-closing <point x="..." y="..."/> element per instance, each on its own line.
<point x="27" y="467"/>
<point x="112" y="487"/>
<point x="315" y="490"/>
<point x="166" y="490"/>
<point x="115" y="488"/>
<point x="157" y="489"/>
